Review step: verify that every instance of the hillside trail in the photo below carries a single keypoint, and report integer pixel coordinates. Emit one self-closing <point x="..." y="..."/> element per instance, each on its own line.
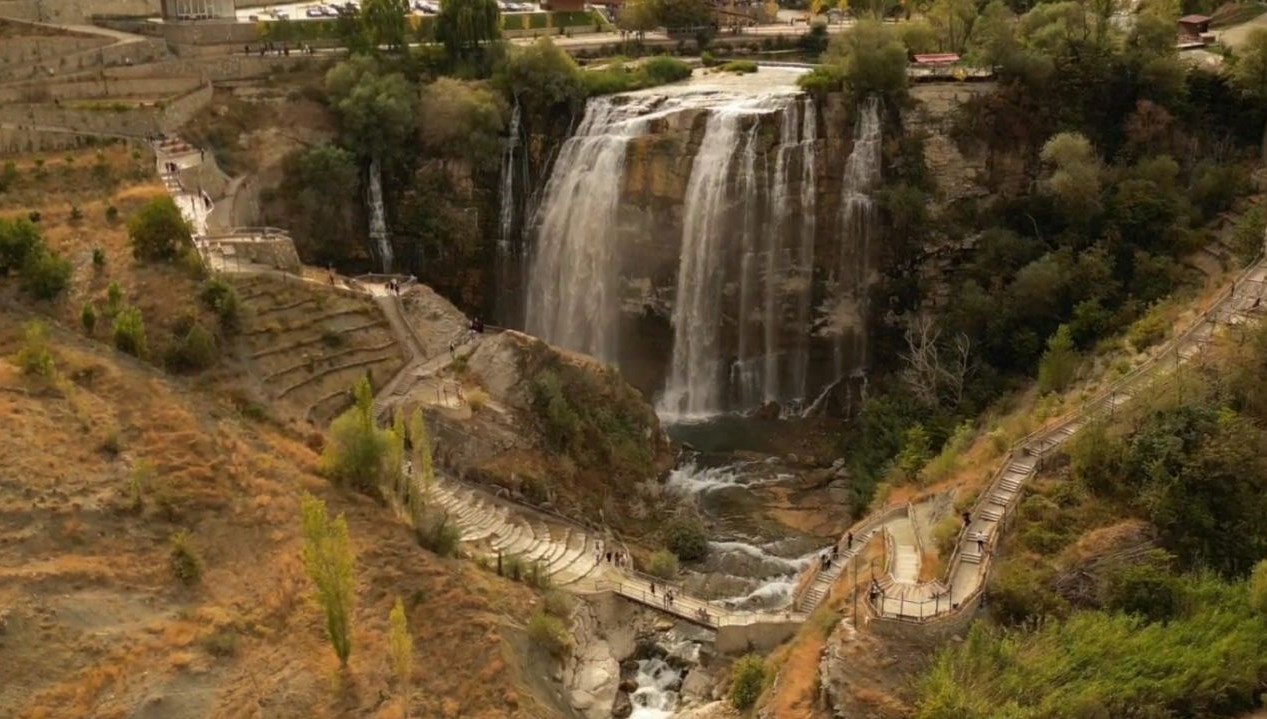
<point x="576" y="557"/>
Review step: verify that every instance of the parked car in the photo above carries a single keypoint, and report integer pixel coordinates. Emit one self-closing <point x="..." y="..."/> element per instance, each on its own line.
<point x="314" y="12"/>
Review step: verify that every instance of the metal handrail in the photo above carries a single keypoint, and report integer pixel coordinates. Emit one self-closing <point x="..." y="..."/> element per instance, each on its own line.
<point x="1087" y="409"/>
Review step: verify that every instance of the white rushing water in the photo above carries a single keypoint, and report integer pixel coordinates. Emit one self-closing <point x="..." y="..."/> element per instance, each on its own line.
<point x="572" y="293"/>
<point x="859" y="217"/>
<point x="378" y="217"/>
<point x="506" y="210"/>
<point x="657" y="694"/>
<point x="747" y="240"/>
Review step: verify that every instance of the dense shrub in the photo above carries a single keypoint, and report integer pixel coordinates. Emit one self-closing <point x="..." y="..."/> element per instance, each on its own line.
<point x="185" y="563"/>
<point x="747" y="678"/>
<point x="550" y="634"/>
<point x="88" y="318"/>
<point x="358" y="451"/>
<point x="35" y="358"/>
<point x="559" y="604"/>
<point x="129" y="332"/>
<point x="1258" y="588"/>
<point x="45" y="274"/>
<point x="1147" y="590"/>
<point x="19" y="239"/>
<point x="686" y="536"/>
<point x="663" y="564"/>
<point x="193" y="348"/>
<point x="220" y="297"/>
<point x="437" y="533"/>
<point x="158" y="231"/>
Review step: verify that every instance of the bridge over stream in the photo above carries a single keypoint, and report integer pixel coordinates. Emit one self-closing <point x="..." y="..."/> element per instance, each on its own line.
<point x="574" y="555"/>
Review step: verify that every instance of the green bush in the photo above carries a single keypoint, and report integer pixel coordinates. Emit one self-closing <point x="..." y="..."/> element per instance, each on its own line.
<point x="35" y="358"/>
<point x="1258" y="588"/>
<point x="742" y="67"/>
<point x="98" y="258"/>
<point x="686" y="537"/>
<point x="1148" y="331"/>
<point x="357" y="453"/>
<point x="707" y="59"/>
<point x="45" y="274"/>
<point x="193" y="348"/>
<point x="550" y="634"/>
<point x="112" y="214"/>
<point x="158" y="231"/>
<point x="662" y="70"/>
<point x="185" y="563"/>
<point x="220" y="297"/>
<point x="1022" y="594"/>
<point x="558" y="604"/>
<point x="88" y="318"/>
<point x="129" y="332"/>
<point x="663" y="564"/>
<point x="437" y="533"/>
<point x="1247" y="236"/>
<point x="1059" y="364"/>
<point x="19" y="240"/>
<point x="747" y="678"/>
<point x="114" y="300"/>
<point x="1147" y="590"/>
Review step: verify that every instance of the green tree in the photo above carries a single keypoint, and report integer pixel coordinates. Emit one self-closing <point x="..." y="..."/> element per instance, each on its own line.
<point x="871" y="60"/>
<point x="1075" y="176"/>
<point x="1249" y="73"/>
<point x="1059" y="363"/>
<point x="358" y="452"/>
<point x="88" y="318"/>
<point x="462" y="120"/>
<point x="424" y="471"/>
<point x="637" y="16"/>
<point x="992" y="40"/>
<point x="19" y="240"/>
<point x="663" y="564"/>
<point x="129" y="332"/>
<point x="682" y="13"/>
<point x="463" y="26"/>
<point x="384" y="22"/>
<point x="375" y="108"/>
<point x="543" y="79"/>
<point x="35" y="358"/>
<point x="321" y="186"/>
<point x="401" y="644"/>
<point x="747" y="678"/>
<point x="45" y="274"/>
<point x="158" y="231"/>
<point x="330" y="564"/>
<point x="1148" y="590"/>
<point x="952" y="22"/>
<point x="686" y="537"/>
<point x="915" y="453"/>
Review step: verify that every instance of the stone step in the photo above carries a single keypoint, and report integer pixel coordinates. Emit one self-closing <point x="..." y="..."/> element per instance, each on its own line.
<point x="992" y="514"/>
<point x="970" y="558"/>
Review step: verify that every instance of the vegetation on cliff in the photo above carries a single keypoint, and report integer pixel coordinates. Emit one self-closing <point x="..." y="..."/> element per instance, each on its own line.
<point x="1133" y="580"/>
<point x="1108" y="161"/>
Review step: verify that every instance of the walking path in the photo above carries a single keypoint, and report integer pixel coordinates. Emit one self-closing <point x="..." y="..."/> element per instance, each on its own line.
<point x="575" y="557"/>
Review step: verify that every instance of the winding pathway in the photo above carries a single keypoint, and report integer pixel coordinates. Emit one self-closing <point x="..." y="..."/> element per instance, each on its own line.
<point x="574" y="557"/>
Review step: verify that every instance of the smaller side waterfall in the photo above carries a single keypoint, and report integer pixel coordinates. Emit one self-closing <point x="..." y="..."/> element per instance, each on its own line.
<point x="506" y="211"/>
<point x="378" y="217"/>
<point x="657" y="694"/>
<point x="858" y="220"/>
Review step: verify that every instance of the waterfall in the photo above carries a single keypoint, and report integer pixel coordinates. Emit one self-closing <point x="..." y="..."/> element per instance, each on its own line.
<point x="657" y="694"/>
<point x="858" y="220"/>
<point x="805" y="254"/>
<point x="693" y="389"/>
<point x="378" y="220"/>
<point x="572" y="294"/>
<point x="507" y="258"/>
<point x="506" y="210"/>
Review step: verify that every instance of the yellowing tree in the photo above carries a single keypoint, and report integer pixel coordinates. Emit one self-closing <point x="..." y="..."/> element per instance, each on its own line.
<point x="401" y="645"/>
<point x="330" y="564"/>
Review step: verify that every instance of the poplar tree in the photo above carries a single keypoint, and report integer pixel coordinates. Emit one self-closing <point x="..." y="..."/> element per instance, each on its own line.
<point x="330" y="564"/>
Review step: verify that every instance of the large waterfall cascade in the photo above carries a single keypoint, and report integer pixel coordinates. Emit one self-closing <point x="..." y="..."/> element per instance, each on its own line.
<point x="859" y="217"/>
<point x="378" y="218"/>
<point x="572" y="297"/>
<point x="743" y="313"/>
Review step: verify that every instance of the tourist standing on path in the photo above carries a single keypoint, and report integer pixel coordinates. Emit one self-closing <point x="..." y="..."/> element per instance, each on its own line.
<point x="849" y="541"/>
<point x="981" y="546"/>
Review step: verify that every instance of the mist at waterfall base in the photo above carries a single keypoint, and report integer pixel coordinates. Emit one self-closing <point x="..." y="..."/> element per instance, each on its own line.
<point x="744" y="326"/>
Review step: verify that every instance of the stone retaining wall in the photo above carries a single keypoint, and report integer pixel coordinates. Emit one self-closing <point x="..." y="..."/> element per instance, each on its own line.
<point x="134" y="122"/>
<point x="105" y="56"/>
<point x="23" y="50"/>
<point x="99" y="88"/>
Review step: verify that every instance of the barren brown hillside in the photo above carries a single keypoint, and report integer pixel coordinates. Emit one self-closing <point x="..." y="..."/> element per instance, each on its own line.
<point x="94" y="624"/>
